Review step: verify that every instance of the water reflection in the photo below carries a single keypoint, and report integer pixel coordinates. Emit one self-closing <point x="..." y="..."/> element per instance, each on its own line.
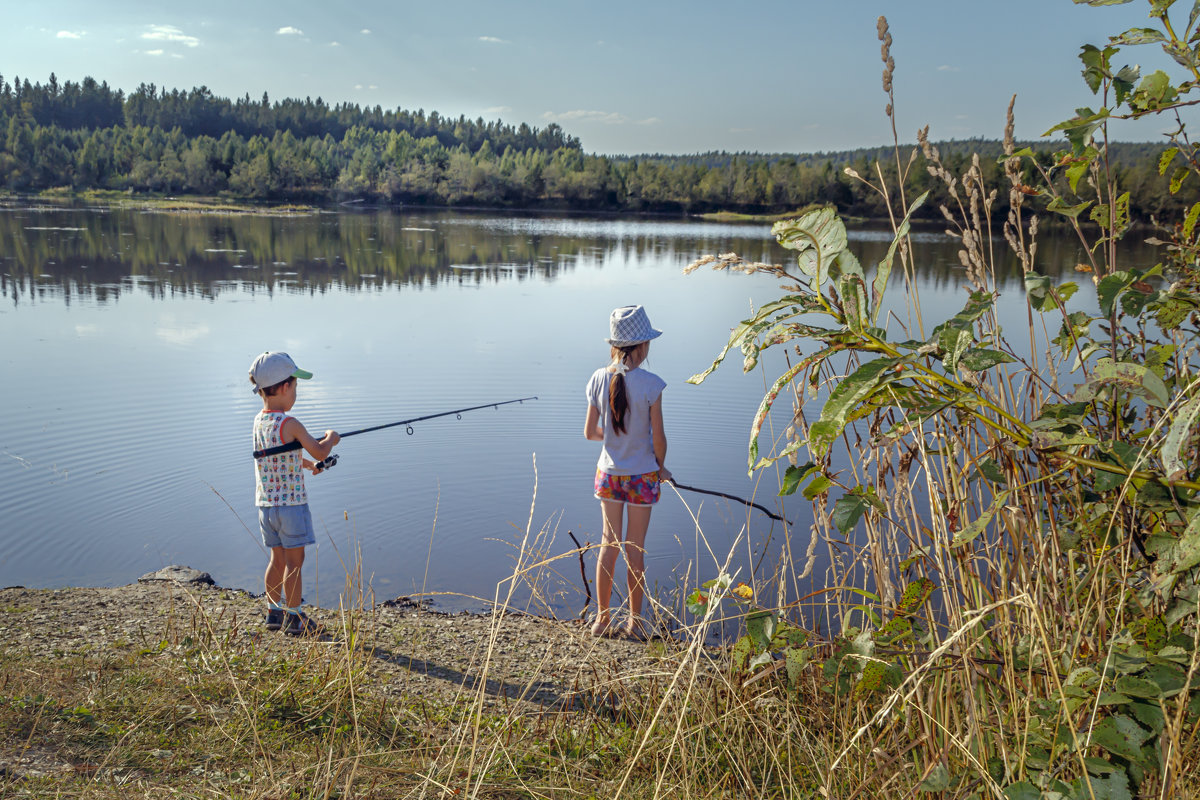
<point x="98" y="254"/>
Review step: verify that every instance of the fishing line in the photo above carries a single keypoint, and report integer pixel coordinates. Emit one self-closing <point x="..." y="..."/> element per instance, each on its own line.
<point x="329" y="462"/>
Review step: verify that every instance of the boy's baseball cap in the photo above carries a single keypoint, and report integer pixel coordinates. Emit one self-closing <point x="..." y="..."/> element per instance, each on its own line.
<point x="272" y="368"/>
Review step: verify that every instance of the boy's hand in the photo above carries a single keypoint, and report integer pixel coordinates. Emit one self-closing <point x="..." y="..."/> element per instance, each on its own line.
<point x="310" y="466"/>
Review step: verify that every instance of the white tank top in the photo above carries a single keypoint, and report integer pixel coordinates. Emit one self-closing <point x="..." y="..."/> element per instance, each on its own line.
<point x="279" y="479"/>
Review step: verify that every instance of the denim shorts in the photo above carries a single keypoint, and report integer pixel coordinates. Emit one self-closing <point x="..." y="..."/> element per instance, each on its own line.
<point x="636" y="490"/>
<point x="286" y="526"/>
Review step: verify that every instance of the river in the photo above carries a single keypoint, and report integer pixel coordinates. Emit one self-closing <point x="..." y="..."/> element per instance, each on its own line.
<point x="126" y="337"/>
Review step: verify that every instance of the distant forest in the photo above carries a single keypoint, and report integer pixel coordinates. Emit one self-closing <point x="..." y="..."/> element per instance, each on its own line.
<point x="86" y="135"/>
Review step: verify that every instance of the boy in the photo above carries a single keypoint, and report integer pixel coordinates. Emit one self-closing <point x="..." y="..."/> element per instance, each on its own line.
<point x="279" y="494"/>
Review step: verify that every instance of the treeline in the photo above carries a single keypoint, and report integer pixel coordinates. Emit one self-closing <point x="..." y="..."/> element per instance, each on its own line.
<point x="88" y="136"/>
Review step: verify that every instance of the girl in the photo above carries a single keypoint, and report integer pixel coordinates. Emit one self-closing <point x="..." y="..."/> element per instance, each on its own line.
<point x="625" y="412"/>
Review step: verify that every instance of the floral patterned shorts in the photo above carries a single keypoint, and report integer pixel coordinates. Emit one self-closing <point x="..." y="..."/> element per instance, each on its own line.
<point x="637" y="490"/>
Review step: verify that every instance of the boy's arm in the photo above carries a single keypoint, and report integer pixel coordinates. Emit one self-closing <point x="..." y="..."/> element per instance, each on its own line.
<point x="293" y="431"/>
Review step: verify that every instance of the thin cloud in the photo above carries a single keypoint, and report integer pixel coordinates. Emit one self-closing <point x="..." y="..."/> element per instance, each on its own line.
<point x="335" y="44"/>
<point x="497" y="110"/>
<point x="947" y="68"/>
<point x="581" y="115"/>
<point x="153" y="52"/>
<point x="71" y="34"/>
<point x="288" y="30"/>
<point x="493" y="40"/>
<point x="169" y="33"/>
<point x="365" y="31"/>
<point x="648" y="121"/>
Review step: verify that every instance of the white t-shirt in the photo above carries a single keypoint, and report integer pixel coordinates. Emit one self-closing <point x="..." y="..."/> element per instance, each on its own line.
<point x="630" y="453"/>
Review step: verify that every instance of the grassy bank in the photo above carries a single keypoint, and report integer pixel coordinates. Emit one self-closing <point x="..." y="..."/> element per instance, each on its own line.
<point x="143" y="691"/>
<point x="734" y="216"/>
<point x="166" y="203"/>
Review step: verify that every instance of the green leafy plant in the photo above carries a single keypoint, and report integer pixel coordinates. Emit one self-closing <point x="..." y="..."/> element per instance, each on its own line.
<point x="1039" y="499"/>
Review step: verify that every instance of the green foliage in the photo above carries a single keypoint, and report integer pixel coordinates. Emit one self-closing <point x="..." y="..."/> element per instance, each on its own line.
<point x="1057" y="536"/>
<point x="89" y="136"/>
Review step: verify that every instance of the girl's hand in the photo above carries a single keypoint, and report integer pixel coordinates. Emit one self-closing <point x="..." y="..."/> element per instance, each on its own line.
<point x="664" y="474"/>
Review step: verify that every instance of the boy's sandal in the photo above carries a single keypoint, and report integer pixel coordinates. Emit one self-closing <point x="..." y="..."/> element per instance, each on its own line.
<point x="300" y="624"/>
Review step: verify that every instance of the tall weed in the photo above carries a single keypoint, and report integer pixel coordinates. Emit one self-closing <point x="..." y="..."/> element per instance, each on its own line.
<point x="1014" y="526"/>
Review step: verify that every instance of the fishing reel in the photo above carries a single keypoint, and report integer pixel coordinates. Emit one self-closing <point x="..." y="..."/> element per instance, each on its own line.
<point x="329" y="462"/>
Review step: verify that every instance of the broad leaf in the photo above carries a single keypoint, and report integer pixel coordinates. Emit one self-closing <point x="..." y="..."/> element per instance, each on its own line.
<point x="1120" y="736"/>
<point x="978" y="360"/>
<point x="1178" y="434"/>
<point x="796" y="659"/>
<point x="954" y="341"/>
<point x="1184" y="553"/>
<point x="1140" y="36"/>
<point x="764" y="408"/>
<point x="1040" y="291"/>
<point x="819" y="236"/>
<point x="1133" y="378"/>
<point x="1024" y="790"/>
<point x="760" y="626"/>
<point x="853" y="291"/>
<point x="794" y="476"/>
<point x="914" y="596"/>
<point x="847" y="396"/>
<point x="817" y="487"/>
<point x="848" y="510"/>
<point x="761" y="321"/>
<point x="938" y="780"/>
<point x="980" y="523"/>
<point x="1154" y="92"/>
<point x="1165" y="159"/>
<point x="1113" y="786"/>
<point x="1133" y="686"/>
<point x="884" y="270"/>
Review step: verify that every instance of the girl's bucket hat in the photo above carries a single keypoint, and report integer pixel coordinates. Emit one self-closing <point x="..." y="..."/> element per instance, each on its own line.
<point x="628" y="326"/>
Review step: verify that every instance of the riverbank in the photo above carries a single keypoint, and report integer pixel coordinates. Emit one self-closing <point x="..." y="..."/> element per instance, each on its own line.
<point x="193" y="204"/>
<point x="136" y="690"/>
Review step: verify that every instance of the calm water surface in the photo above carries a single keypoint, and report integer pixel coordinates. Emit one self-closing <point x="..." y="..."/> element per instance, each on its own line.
<point x="126" y="441"/>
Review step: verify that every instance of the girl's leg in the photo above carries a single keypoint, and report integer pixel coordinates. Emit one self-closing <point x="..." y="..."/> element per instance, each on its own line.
<point x="635" y="563"/>
<point x="610" y="546"/>
<point x="273" y="580"/>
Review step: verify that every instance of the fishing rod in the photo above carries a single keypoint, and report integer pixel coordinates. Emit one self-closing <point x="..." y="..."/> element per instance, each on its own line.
<point x="332" y="459"/>
<point x="741" y="500"/>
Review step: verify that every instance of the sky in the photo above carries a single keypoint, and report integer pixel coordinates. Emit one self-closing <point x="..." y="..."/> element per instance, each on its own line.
<point x="655" y="76"/>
